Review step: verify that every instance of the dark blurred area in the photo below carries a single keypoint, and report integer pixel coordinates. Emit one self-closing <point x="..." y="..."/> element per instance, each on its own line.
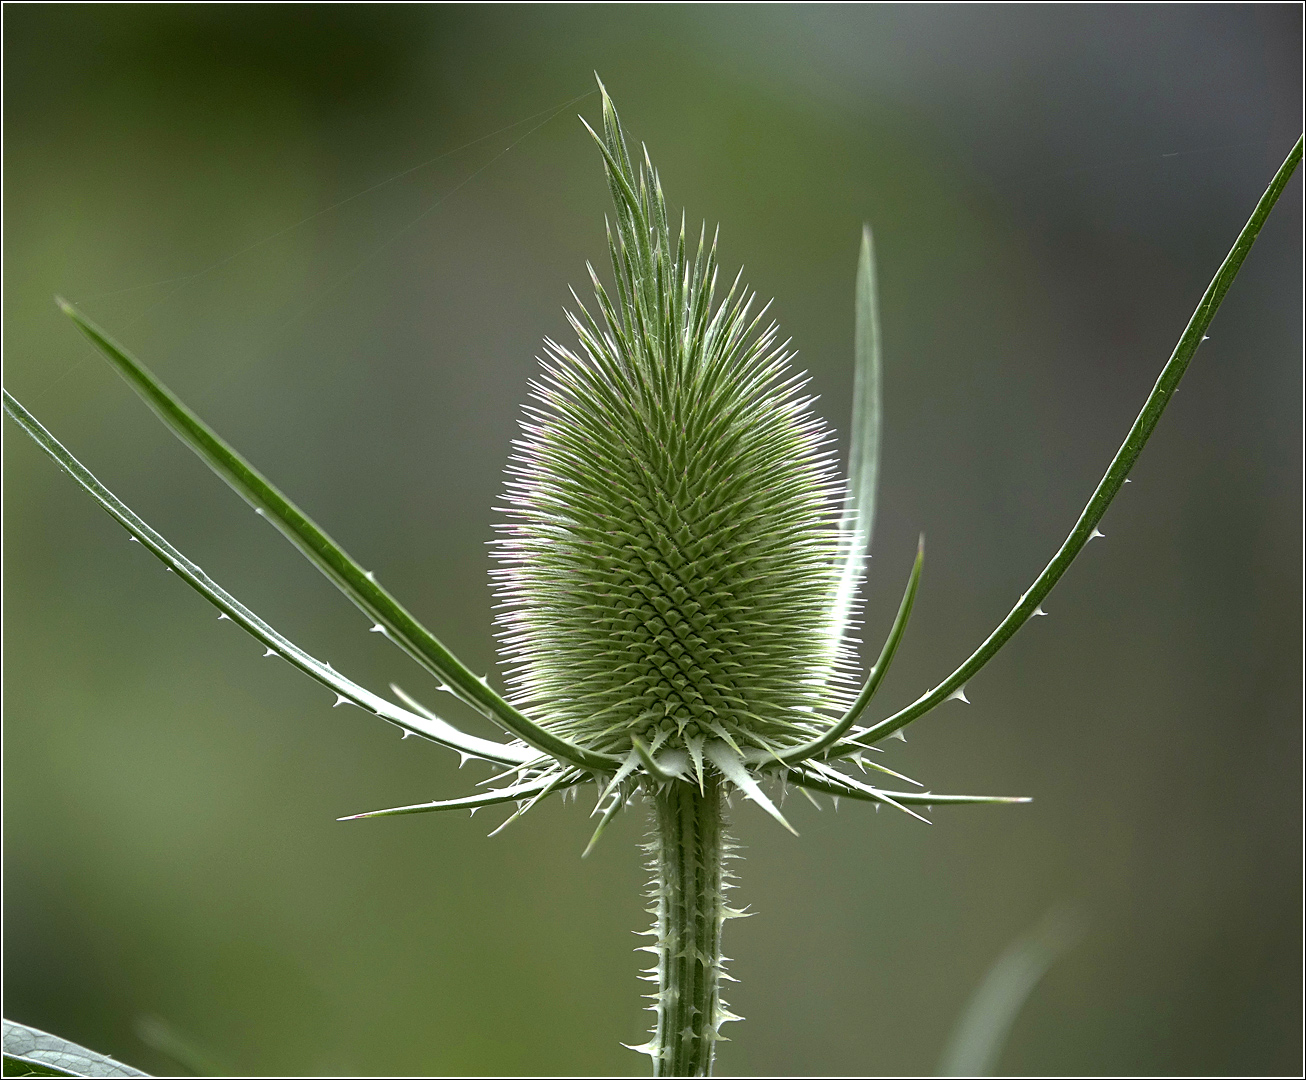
<point x="340" y="233"/>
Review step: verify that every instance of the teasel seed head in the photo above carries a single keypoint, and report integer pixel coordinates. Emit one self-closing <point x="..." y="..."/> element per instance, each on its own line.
<point x="671" y="559"/>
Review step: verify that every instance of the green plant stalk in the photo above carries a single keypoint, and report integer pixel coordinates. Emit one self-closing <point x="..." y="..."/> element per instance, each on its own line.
<point x="1086" y="527"/>
<point x="690" y="847"/>
<point x="330" y="558"/>
<point x="664" y="334"/>
<point x="688" y="852"/>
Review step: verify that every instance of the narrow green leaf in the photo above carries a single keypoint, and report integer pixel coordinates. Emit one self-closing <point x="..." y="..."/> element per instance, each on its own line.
<point x="31" y="1052"/>
<point x="329" y="557"/>
<point x="733" y="769"/>
<point x="472" y="802"/>
<point x="17" y="1067"/>
<point x="977" y="1041"/>
<point x="824" y="742"/>
<point x="858" y="521"/>
<point x="521" y="757"/>
<point x="429" y="727"/>
<point x="867" y="763"/>
<point x="161" y="1036"/>
<point x="560" y="779"/>
<point x="627" y="767"/>
<point x="1086" y="527"/>
<point x="855" y="790"/>
<point x="654" y="769"/>
<point x="825" y="772"/>
<point x="618" y="801"/>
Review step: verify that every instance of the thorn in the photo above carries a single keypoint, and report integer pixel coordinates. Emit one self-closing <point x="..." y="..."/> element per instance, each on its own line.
<point x="223" y="615"/>
<point x="169" y="569"/>
<point x="899" y="735"/>
<point x="1206" y="337"/>
<point x="340" y="700"/>
<point x="259" y="510"/>
<point x="958" y="695"/>
<point x="269" y="652"/>
<point x="1039" y="610"/>
<point x="877" y="807"/>
<point x="133" y="540"/>
<point x="463" y="759"/>
<point x="404" y="735"/>
<point x="1096" y="533"/>
<point x="1128" y="481"/>
<point x="369" y="575"/>
<point x="377" y="629"/>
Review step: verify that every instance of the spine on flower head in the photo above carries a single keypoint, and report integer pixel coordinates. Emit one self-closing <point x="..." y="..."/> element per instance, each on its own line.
<point x="671" y="557"/>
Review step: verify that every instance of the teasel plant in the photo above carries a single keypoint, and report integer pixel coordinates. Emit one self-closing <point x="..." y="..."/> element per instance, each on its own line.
<point x="680" y="562"/>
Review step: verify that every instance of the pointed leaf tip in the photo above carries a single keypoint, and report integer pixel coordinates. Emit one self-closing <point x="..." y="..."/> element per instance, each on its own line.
<point x="645" y="757"/>
<point x="617" y="803"/>
<point x="858" y="519"/>
<point x="733" y="769"/>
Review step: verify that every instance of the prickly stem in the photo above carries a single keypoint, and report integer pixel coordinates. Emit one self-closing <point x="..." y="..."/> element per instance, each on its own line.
<point x="688" y="853"/>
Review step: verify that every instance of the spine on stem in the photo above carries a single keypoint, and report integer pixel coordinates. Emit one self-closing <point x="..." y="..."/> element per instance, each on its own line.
<point x="687" y="858"/>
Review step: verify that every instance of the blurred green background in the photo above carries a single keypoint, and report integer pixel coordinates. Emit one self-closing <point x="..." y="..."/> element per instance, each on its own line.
<point x="1052" y="188"/>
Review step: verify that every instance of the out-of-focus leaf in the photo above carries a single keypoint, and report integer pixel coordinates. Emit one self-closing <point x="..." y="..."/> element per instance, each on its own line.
<point x="858" y="522"/>
<point x="158" y="1034"/>
<point x="30" y="1052"/>
<point x="981" y="1033"/>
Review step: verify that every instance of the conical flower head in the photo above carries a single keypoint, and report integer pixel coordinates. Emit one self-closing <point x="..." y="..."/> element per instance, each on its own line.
<point x="672" y="556"/>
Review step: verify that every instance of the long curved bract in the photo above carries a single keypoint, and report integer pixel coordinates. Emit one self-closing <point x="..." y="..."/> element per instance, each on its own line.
<point x="428" y="727"/>
<point x="859" y="706"/>
<point x="858" y="520"/>
<point x="1115" y="476"/>
<point x="329" y="557"/>
<point x="516" y="793"/>
<point x="906" y="798"/>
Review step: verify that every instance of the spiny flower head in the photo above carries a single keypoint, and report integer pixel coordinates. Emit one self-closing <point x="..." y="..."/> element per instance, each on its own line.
<point x="672" y="556"/>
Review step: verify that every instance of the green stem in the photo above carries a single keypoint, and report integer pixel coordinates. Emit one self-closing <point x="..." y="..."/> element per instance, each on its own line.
<point x="688" y="852"/>
<point x="1086" y="527"/>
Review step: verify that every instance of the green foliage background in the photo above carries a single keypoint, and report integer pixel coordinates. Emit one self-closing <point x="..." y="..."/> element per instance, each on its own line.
<point x="1052" y="189"/>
